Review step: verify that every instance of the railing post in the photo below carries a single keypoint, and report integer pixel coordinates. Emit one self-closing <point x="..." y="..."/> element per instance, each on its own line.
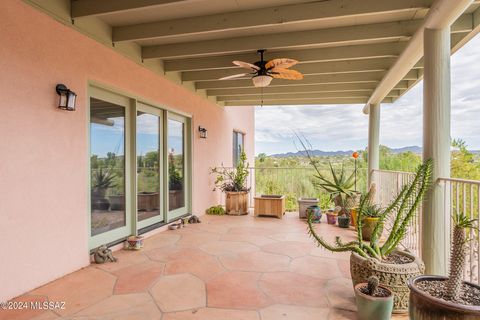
<point x="436" y="146"/>
<point x="373" y="141"/>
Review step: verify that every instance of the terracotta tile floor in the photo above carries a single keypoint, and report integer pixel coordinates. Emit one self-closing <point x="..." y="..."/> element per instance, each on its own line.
<point x="228" y="268"/>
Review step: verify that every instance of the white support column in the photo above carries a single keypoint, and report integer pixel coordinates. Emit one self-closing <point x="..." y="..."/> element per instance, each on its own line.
<point x="436" y="146"/>
<point x="373" y="141"/>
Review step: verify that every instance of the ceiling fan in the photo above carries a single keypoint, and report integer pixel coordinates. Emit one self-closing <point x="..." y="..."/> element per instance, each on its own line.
<point x="262" y="72"/>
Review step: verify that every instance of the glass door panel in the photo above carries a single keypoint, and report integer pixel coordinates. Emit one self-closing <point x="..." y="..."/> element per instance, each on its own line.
<point x="149" y="166"/>
<point x="177" y="182"/>
<point x="107" y="170"/>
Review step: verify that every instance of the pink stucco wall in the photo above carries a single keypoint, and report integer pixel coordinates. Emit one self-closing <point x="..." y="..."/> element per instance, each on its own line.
<point x="43" y="151"/>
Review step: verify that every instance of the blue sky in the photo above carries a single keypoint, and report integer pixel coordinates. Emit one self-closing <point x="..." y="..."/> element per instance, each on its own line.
<point x="110" y="138"/>
<point x="344" y="127"/>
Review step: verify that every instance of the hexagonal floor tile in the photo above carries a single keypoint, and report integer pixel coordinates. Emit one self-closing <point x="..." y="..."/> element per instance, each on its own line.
<point x="340" y="294"/>
<point x="161" y="239"/>
<point x="253" y="239"/>
<point x="24" y="313"/>
<point x="236" y="290"/>
<point x="212" y="314"/>
<point x="179" y="292"/>
<point x="137" y="306"/>
<point x="286" y="312"/>
<point x="137" y="278"/>
<point x="125" y="258"/>
<point x="171" y="253"/>
<point x="204" y="266"/>
<point x="323" y="268"/>
<point x="294" y="289"/>
<point x="79" y="289"/>
<point x="255" y="261"/>
<point x="228" y="247"/>
<point x="292" y="249"/>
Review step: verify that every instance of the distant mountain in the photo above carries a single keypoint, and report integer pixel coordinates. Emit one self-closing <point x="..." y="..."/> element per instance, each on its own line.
<point x="320" y="153"/>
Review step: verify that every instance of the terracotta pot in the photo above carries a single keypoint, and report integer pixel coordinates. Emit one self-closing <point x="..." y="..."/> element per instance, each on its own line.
<point x="392" y="276"/>
<point x="331" y="218"/>
<point x="373" y="308"/>
<point x="353" y="217"/>
<point x="425" y="307"/>
<point x="369" y="224"/>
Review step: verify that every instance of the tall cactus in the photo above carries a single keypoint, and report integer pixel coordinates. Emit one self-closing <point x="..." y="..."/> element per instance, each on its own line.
<point x="403" y="209"/>
<point x="457" y="255"/>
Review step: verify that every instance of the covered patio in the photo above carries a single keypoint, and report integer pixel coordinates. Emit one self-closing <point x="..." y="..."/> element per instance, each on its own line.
<point x="227" y="267"/>
<point x="163" y="59"/>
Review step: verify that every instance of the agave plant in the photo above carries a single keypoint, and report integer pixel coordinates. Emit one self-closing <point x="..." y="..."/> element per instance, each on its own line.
<point x="457" y="255"/>
<point x="401" y="210"/>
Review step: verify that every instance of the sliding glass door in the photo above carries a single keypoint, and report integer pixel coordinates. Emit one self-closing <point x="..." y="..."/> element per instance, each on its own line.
<point x="139" y="167"/>
<point x="178" y="175"/>
<point x="109" y="216"/>
<point x="149" y="166"/>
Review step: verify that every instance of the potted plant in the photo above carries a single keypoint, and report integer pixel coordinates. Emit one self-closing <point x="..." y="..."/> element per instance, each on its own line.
<point x="234" y="183"/>
<point x="316" y="212"/>
<point x="303" y="204"/>
<point x="332" y="216"/>
<point x="371" y="215"/>
<point x="102" y="180"/>
<point x="343" y="218"/>
<point x="383" y="260"/>
<point x="374" y="301"/>
<point x="437" y="297"/>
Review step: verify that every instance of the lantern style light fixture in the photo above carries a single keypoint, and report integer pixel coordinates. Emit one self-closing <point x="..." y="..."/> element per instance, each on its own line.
<point x="262" y="80"/>
<point x="203" y="132"/>
<point x="67" y="98"/>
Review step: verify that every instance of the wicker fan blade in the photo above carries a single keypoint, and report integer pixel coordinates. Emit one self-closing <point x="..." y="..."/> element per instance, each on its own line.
<point x="281" y="73"/>
<point x="280" y="63"/>
<point x="234" y="76"/>
<point x="245" y="65"/>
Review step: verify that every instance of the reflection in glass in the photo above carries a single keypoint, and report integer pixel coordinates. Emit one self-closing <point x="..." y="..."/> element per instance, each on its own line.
<point x="107" y="166"/>
<point x="176" y="173"/>
<point x="237" y="147"/>
<point x="148" y="164"/>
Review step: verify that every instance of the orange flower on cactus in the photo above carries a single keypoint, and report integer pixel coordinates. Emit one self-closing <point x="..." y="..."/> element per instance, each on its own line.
<point x="355" y="155"/>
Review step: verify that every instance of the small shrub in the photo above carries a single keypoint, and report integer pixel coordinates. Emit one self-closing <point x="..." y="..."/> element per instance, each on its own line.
<point x="216" y="210"/>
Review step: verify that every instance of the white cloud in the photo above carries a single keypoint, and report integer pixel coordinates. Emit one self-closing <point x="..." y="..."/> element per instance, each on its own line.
<point x="343" y="127"/>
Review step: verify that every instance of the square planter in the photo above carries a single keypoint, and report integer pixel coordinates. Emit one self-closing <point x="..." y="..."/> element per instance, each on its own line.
<point x="303" y="204"/>
<point x="236" y="203"/>
<point x="270" y="205"/>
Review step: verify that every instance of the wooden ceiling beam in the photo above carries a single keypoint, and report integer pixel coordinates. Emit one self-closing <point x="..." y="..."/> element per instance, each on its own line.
<point x="342" y="36"/>
<point x="368" y="51"/>
<point x="297" y="102"/>
<point x="85" y="8"/>
<point x="263" y="17"/>
<point x="349" y="66"/>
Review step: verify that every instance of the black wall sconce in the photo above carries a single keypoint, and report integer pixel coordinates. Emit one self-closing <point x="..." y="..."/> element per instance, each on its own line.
<point x="203" y="132"/>
<point x="67" y="98"/>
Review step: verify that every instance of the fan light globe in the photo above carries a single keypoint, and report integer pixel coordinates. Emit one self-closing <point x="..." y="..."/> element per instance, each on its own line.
<point x="261" y="80"/>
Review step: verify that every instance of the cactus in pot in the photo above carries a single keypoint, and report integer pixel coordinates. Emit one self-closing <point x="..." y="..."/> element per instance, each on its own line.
<point x="374" y="302"/>
<point x="437" y="297"/>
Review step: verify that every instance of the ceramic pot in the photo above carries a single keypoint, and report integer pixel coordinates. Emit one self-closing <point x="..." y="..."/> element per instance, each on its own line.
<point x="391" y="276"/>
<point x="373" y="308"/>
<point x="303" y="204"/>
<point x="425" y="307"/>
<point x="331" y="218"/>
<point x="316" y="213"/>
<point x="343" y="221"/>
